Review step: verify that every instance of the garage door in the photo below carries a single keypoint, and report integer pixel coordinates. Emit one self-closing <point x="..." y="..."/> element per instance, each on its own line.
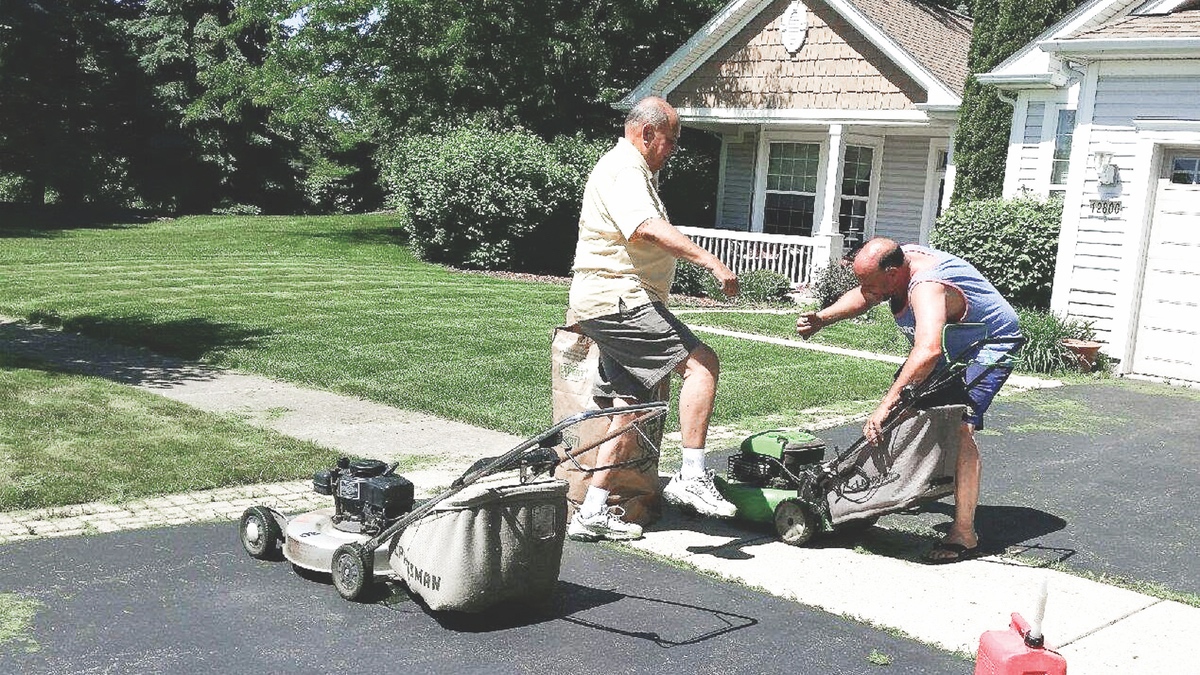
<point x="1168" y="332"/>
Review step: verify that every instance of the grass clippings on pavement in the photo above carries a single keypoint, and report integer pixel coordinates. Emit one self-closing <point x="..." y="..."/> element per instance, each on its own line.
<point x="16" y="622"/>
<point x="1060" y="415"/>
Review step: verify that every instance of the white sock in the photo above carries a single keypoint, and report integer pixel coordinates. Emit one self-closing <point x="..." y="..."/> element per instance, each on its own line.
<point x="593" y="500"/>
<point x="693" y="463"/>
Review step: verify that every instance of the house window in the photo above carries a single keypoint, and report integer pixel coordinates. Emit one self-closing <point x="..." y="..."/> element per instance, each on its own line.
<point x="1061" y="163"/>
<point x="791" y="194"/>
<point x="1185" y="171"/>
<point x="856" y="193"/>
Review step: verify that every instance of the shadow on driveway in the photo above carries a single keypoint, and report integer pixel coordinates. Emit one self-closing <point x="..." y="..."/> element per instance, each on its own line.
<point x="1099" y="477"/>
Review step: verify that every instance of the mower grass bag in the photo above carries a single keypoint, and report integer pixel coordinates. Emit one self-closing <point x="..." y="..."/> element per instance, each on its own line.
<point x="915" y="463"/>
<point x="488" y="544"/>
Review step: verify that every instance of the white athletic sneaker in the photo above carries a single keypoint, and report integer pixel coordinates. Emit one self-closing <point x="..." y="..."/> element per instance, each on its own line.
<point x="699" y="495"/>
<point x="606" y="524"/>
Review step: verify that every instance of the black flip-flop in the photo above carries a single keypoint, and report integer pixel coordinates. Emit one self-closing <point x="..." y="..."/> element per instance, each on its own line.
<point x="937" y="555"/>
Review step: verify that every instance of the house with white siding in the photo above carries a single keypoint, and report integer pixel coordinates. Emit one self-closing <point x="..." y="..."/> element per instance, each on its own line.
<point x="1106" y="110"/>
<point x="836" y="119"/>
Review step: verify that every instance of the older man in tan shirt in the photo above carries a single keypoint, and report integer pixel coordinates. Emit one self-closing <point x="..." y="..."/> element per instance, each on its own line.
<point x="624" y="266"/>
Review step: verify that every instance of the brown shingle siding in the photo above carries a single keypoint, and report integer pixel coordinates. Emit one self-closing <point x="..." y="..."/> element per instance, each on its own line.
<point x="837" y="68"/>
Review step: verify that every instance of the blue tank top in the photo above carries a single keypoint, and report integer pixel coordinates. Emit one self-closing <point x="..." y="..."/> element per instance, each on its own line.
<point x="984" y="303"/>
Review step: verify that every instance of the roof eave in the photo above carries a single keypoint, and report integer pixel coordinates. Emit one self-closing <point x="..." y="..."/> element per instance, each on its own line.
<point x="790" y="117"/>
<point x="1024" y="81"/>
<point x="1064" y="26"/>
<point x="1123" y="48"/>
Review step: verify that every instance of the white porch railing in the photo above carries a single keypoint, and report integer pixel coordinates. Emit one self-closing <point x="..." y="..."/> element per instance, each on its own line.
<point x="797" y="258"/>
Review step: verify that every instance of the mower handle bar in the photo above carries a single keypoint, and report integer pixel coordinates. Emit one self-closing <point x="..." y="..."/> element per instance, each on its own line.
<point x="935" y="381"/>
<point x="655" y="409"/>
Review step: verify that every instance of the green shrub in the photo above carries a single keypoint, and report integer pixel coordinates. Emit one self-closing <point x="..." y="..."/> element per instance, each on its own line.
<point x="1043" y="351"/>
<point x="486" y="199"/>
<point x="231" y="209"/>
<point x="1013" y="242"/>
<point x="832" y="282"/>
<point x="690" y="279"/>
<point x="763" y="286"/>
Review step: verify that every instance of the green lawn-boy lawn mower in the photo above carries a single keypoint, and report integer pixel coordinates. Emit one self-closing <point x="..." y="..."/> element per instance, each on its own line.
<point x="780" y="477"/>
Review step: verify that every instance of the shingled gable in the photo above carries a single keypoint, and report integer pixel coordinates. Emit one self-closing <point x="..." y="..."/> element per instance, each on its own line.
<point x="859" y="55"/>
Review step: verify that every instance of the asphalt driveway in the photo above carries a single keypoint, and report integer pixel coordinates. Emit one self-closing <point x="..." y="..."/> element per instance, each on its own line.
<point x="188" y="599"/>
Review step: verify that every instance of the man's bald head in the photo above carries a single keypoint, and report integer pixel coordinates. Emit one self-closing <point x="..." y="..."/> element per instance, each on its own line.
<point x="651" y="110"/>
<point x="881" y="269"/>
<point x="653" y="128"/>
<point x="878" y="255"/>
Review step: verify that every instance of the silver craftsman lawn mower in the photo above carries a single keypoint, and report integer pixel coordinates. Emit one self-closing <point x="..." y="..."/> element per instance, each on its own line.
<point x="477" y="543"/>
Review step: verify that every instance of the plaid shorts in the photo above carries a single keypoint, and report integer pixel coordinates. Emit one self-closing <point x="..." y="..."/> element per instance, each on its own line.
<point x="639" y="347"/>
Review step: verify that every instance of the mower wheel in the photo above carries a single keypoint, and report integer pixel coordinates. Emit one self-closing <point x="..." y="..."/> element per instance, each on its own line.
<point x="353" y="570"/>
<point x="260" y="533"/>
<point x="794" y="522"/>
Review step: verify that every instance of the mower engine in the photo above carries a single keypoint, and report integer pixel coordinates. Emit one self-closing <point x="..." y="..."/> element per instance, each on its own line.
<point x="772" y="459"/>
<point x="367" y="495"/>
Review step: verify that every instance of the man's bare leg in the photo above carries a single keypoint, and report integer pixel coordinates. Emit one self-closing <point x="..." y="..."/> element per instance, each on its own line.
<point x="693" y="488"/>
<point x="595" y="520"/>
<point x="968" y="471"/>
<point x="700" y="372"/>
<point x="615" y="450"/>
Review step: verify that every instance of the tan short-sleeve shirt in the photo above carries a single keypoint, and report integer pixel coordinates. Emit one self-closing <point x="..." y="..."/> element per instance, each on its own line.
<point x="621" y="193"/>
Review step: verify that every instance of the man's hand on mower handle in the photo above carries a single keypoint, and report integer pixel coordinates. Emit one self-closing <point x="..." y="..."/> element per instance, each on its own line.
<point x="873" y="429"/>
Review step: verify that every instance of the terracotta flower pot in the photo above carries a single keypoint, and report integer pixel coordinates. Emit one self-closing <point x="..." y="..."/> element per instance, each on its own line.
<point x="1083" y="352"/>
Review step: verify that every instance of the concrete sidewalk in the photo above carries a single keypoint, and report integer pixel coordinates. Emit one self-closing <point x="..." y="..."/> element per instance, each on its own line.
<point x="1099" y="628"/>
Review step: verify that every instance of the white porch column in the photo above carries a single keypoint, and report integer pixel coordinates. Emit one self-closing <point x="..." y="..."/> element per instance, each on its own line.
<point x="828" y="248"/>
<point x="950" y="170"/>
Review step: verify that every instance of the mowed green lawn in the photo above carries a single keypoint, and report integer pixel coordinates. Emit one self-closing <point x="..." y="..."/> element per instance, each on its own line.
<point x="69" y="439"/>
<point x="875" y="331"/>
<point x="339" y="303"/>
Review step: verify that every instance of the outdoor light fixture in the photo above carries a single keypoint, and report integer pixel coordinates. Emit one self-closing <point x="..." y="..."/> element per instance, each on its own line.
<point x="1106" y="171"/>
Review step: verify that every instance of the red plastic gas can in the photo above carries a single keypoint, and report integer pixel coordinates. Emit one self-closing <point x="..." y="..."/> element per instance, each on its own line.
<point x="1011" y="652"/>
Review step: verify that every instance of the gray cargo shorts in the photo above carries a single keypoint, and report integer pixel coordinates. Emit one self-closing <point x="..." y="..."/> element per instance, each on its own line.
<point x="639" y="346"/>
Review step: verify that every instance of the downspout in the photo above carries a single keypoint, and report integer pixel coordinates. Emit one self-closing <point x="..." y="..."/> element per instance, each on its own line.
<point x="1073" y="68"/>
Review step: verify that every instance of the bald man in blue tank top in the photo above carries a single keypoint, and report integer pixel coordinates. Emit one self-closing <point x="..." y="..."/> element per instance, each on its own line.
<point x="928" y="289"/>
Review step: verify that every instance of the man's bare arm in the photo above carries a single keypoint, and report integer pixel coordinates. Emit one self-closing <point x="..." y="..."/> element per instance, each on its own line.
<point x="928" y="301"/>
<point x="850" y="305"/>
<point x="664" y="235"/>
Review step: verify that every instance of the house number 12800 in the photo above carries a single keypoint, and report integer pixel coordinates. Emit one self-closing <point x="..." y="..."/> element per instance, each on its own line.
<point x="1106" y="207"/>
